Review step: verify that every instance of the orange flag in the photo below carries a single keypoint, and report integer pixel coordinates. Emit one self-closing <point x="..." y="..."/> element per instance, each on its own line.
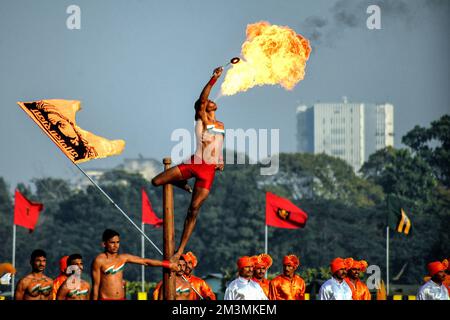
<point x="57" y="119"/>
<point x="148" y="215"/>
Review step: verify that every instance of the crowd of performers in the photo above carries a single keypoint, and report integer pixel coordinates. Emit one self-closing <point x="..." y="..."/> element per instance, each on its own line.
<point x="251" y="284"/>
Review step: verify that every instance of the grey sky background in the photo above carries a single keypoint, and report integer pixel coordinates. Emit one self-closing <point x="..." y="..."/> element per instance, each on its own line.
<point x="138" y="67"/>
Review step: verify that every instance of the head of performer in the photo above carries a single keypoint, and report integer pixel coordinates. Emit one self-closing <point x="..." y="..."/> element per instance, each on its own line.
<point x="38" y="261"/>
<point x="74" y="260"/>
<point x="181" y="267"/>
<point x="111" y="241"/>
<point x="436" y="270"/>
<point x="261" y="263"/>
<point x="290" y="265"/>
<point x="191" y="262"/>
<point x="338" y="269"/>
<point x="354" y="268"/>
<point x="245" y="267"/>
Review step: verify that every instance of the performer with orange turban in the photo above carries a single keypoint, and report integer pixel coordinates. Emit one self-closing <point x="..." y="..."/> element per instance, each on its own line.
<point x="434" y="289"/>
<point x="199" y="284"/>
<point x="336" y="288"/>
<point x="288" y="286"/>
<point x="360" y="291"/>
<point x="59" y="280"/>
<point x="244" y="288"/>
<point x="261" y="263"/>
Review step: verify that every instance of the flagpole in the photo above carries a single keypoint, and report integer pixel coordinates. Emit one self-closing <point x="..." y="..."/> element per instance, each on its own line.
<point x="265" y="244"/>
<point x="143" y="256"/>
<point x="387" y="260"/>
<point x="13" y="260"/>
<point x="265" y="239"/>
<point x="118" y="208"/>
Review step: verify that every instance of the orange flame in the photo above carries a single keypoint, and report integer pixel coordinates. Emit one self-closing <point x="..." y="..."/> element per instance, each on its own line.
<point x="271" y="55"/>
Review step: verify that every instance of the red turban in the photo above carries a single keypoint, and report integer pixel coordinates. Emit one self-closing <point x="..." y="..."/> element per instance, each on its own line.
<point x="291" y="260"/>
<point x="337" y="264"/>
<point x="190" y="257"/>
<point x="262" y="261"/>
<point x="244" y="261"/>
<point x="63" y="264"/>
<point x="435" y="267"/>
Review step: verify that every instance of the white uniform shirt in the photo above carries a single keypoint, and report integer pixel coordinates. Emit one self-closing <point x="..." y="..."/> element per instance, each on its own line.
<point x="333" y="290"/>
<point x="432" y="291"/>
<point x="243" y="289"/>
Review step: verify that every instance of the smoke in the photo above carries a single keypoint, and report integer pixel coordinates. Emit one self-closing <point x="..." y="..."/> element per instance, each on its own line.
<point x="351" y="14"/>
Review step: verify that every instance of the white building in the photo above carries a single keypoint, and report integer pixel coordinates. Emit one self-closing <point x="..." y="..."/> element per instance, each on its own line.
<point x="349" y="131"/>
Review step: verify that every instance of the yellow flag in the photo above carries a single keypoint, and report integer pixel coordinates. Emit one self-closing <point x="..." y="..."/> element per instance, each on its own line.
<point x="56" y="118"/>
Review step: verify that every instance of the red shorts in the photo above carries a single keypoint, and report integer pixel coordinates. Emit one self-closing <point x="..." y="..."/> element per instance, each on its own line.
<point x="112" y="299"/>
<point x="202" y="171"/>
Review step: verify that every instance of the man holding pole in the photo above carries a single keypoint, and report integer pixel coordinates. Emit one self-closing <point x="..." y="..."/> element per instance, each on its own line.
<point x="202" y="165"/>
<point x="107" y="268"/>
<point x="35" y="285"/>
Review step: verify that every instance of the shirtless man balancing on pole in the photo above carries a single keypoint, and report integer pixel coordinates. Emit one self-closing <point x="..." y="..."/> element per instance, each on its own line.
<point x="202" y="165"/>
<point x="36" y="285"/>
<point x="107" y="268"/>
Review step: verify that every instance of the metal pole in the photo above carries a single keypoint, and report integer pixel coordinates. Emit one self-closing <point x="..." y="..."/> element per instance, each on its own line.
<point x="118" y="208"/>
<point x="168" y="236"/>
<point x="265" y="239"/>
<point x="266" y="243"/>
<point x="13" y="278"/>
<point x="387" y="261"/>
<point x="143" y="256"/>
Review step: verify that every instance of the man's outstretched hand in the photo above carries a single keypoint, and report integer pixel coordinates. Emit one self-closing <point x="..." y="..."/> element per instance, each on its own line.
<point x="218" y="72"/>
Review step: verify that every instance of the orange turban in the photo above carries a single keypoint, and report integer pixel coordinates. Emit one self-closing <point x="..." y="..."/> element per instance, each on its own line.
<point x="435" y="267"/>
<point x="7" y="268"/>
<point x="244" y="261"/>
<point x="190" y="257"/>
<point x="63" y="264"/>
<point x="361" y="265"/>
<point x="337" y="264"/>
<point x="291" y="260"/>
<point x="262" y="261"/>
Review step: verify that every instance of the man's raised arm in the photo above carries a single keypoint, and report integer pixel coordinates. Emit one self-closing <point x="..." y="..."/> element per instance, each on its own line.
<point x="204" y="95"/>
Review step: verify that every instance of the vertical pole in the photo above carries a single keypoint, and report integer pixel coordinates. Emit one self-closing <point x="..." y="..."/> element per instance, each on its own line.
<point x="143" y="256"/>
<point x="266" y="243"/>
<point x="387" y="261"/>
<point x="168" y="236"/>
<point x="13" y="279"/>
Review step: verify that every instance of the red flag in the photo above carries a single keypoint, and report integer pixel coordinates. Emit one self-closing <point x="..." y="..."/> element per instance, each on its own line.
<point x="282" y="213"/>
<point x="26" y="212"/>
<point x="148" y="215"/>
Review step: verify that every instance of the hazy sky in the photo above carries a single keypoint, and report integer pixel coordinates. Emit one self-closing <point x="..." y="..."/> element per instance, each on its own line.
<point x="138" y="67"/>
